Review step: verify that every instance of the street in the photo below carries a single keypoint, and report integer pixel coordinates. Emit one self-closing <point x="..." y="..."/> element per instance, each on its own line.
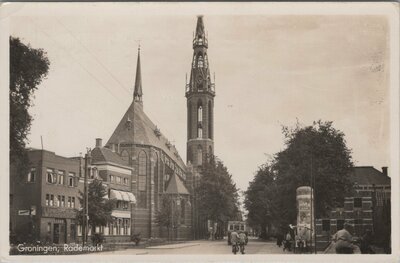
<point x="202" y="247"/>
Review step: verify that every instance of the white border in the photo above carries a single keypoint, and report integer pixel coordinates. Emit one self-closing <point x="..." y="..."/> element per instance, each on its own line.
<point x="391" y="10"/>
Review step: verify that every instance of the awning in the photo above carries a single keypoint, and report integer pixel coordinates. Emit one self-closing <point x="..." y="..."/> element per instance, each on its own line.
<point x="122" y="196"/>
<point x="121" y="214"/>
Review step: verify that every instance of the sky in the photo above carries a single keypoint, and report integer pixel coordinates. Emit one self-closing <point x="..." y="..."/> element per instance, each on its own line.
<point x="271" y="70"/>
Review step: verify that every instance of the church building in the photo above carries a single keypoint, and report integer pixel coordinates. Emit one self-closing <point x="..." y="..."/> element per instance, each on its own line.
<point x="157" y="170"/>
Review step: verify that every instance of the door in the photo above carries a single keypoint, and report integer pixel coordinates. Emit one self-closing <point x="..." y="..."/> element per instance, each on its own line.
<point x="63" y="236"/>
<point x="73" y="233"/>
<point x="56" y="234"/>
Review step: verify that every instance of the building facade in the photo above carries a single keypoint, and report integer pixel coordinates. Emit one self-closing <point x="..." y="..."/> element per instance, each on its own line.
<point x="367" y="209"/>
<point x="44" y="202"/>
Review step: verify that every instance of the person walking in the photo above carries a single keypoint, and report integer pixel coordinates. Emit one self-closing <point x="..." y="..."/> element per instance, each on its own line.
<point x="287" y="244"/>
<point x="234" y="241"/>
<point x="242" y="241"/>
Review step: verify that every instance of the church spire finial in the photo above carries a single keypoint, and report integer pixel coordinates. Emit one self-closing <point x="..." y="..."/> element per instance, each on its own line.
<point x="138" y="93"/>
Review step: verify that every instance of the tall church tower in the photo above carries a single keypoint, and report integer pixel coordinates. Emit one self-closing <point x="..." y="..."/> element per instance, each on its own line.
<point x="200" y="93"/>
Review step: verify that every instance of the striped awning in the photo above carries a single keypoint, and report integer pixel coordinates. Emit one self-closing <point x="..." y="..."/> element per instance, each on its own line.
<point x="122" y="196"/>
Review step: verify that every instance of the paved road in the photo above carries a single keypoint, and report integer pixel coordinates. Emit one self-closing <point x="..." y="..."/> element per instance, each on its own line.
<point x="202" y="247"/>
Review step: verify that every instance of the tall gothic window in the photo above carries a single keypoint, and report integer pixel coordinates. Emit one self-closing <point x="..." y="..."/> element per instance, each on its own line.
<point x="210" y="120"/>
<point x="156" y="174"/>
<point x="199" y="121"/>
<point x="205" y="61"/>
<point x="200" y="62"/>
<point x="199" y="155"/>
<point x="194" y="61"/>
<point x="190" y="120"/>
<point x="142" y="180"/>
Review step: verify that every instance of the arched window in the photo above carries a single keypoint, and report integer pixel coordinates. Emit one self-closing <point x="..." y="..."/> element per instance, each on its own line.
<point x="199" y="155"/>
<point x="194" y="61"/>
<point x="200" y="62"/>
<point x="142" y="180"/>
<point x="155" y="169"/>
<point x="125" y="155"/>
<point x="210" y="121"/>
<point x="205" y="61"/>
<point x="200" y="113"/>
<point x="183" y="208"/>
<point x="199" y="120"/>
<point x="189" y="121"/>
<point x="189" y="155"/>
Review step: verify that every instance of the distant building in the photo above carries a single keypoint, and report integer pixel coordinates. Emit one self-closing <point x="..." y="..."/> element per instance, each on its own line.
<point x="368" y="208"/>
<point x="43" y="203"/>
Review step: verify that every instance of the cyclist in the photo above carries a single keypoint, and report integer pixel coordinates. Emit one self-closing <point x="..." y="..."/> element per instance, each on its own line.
<point x="234" y="241"/>
<point x="242" y="241"/>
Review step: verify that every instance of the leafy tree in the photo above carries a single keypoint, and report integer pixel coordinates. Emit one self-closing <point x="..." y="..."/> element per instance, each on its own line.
<point x="317" y="151"/>
<point x="216" y="193"/>
<point x="168" y="216"/>
<point x="259" y="200"/>
<point x="99" y="208"/>
<point x="28" y="67"/>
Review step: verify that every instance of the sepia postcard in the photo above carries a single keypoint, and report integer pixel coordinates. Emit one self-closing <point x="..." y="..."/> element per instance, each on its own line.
<point x="193" y="132"/>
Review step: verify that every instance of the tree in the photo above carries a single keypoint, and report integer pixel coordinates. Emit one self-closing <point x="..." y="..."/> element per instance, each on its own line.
<point x="216" y="193"/>
<point x="259" y="200"/>
<point x="99" y="208"/>
<point x="28" y="67"/>
<point x="168" y="216"/>
<point x="318" y="150"/>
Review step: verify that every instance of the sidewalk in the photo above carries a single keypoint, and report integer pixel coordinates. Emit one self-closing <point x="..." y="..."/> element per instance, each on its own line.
<point x="174" y="246"/>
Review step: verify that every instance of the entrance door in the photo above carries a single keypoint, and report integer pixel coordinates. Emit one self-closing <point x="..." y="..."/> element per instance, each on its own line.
<point x="59" y="235"/>
<point x="62" y="234"/>
<point x="73" y="232"/>
<point x="56" y="234"/>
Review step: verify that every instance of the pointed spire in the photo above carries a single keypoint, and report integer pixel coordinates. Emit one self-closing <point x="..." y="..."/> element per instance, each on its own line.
<point x="138" y="93"/>
<point x="200" y="26"/>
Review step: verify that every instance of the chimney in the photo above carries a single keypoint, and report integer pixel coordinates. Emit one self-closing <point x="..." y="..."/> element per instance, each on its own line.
<point x="385" y="170"/>
<point x="98" y="142"/>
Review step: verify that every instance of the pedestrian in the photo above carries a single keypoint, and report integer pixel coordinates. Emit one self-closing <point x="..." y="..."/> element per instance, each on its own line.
<point x="287" y="242"/>
<point x="234" y="241"/>
<point x="279" y="239"/>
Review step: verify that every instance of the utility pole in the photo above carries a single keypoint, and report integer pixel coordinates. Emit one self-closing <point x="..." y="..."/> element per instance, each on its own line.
<point x="312" y="183"/>
<point x="85" y="226"/>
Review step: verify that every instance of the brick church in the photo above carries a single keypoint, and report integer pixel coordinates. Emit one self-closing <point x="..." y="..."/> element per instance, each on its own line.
<point x="157" y="168"/>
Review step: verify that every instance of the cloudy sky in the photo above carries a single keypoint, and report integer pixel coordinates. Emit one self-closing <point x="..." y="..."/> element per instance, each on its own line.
<point x="271" y="70"/>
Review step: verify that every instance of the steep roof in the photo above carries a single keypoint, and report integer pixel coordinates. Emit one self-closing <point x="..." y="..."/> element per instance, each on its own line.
<point x="106" y="155"/>
<point x="368" y="175"/>
<point x="135" y="127"/>
<point x="176" y="186"/>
